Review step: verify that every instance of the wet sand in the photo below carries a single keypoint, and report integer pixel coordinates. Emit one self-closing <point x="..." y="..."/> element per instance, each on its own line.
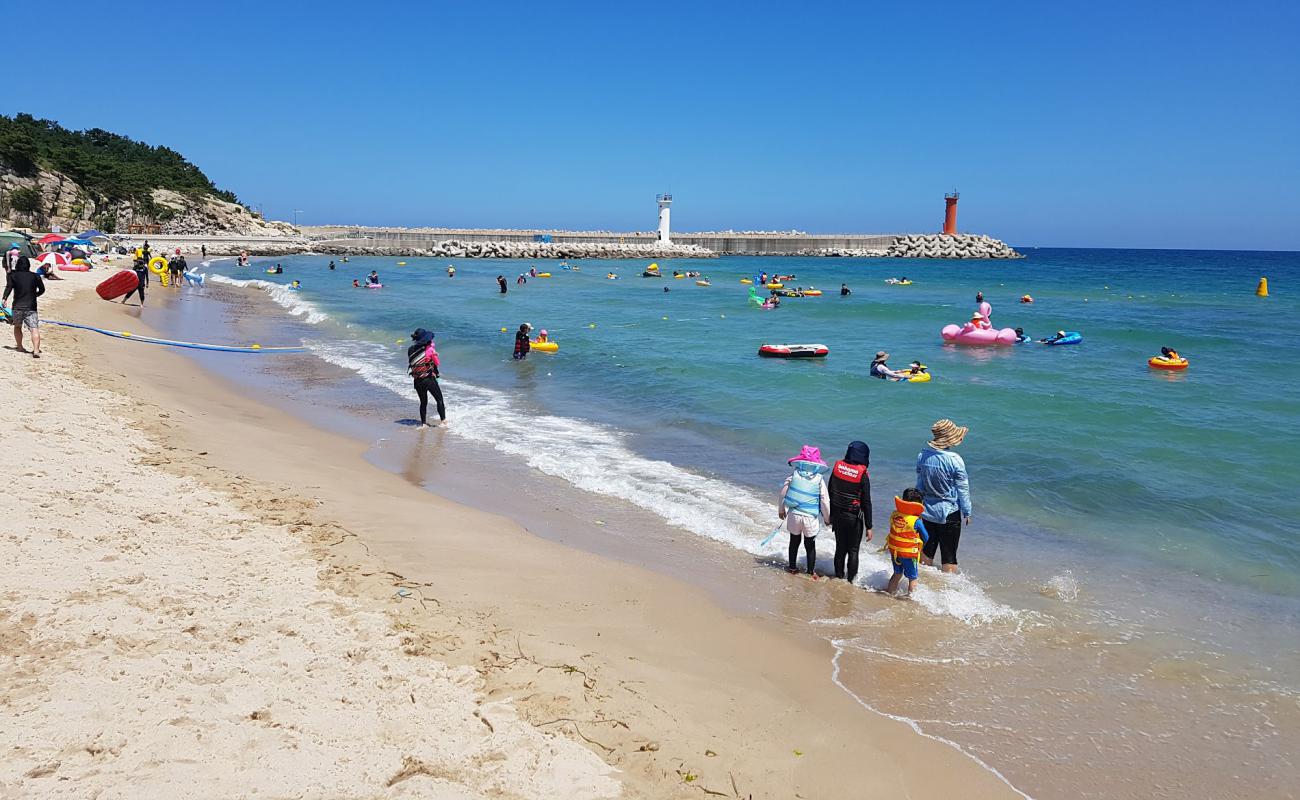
<point x="642" y="670"/>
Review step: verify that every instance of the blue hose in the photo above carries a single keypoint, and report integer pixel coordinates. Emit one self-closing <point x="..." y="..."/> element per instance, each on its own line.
<point x="219" y="348"/>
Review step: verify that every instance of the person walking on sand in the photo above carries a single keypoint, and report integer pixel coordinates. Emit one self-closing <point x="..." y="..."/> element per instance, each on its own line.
<point x="804" y="505"/>
<point x="425" y="368"/>
<point x="25" y="286"/>
<point x="142" y="280"/>
<point x="850" y="499"/>
<point x="12" y="254"/>
<point x="945" y="493"/>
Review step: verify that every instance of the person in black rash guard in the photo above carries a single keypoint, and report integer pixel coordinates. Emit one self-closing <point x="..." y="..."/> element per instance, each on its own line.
<point x="501" y="281"/>
<point x="141" y="272"/>
<point x="25" y="286"/>
<point x="424" y="368"/>
<point x="850" y="492"/>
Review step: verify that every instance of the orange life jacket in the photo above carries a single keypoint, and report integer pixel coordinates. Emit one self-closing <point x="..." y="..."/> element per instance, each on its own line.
<point x="904" y="541"/>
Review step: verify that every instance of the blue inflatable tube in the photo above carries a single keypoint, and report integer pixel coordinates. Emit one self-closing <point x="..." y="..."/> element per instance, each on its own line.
<point x="219" y="348"/>
<point x="1071" y="337"/>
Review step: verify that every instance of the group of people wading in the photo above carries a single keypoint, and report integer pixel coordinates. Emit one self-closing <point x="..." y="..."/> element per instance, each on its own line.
<point x="926" y="520"/>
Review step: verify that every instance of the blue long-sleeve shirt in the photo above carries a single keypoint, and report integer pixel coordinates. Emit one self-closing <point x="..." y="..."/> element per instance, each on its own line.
<point x="941" y="480"/>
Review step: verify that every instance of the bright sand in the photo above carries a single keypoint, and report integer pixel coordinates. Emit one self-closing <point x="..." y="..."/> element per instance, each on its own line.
<point x="181" y="622"/>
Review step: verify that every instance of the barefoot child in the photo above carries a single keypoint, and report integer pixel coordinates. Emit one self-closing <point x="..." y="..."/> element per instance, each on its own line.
<point x="804" y="504"/>
<point x="906" y="535"/>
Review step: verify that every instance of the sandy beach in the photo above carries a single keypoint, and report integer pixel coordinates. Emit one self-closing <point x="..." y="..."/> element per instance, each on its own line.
<point x="214" y="598"/>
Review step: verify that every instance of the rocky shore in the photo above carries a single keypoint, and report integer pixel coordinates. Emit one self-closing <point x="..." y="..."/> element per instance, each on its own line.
<point x="962" y="245"/>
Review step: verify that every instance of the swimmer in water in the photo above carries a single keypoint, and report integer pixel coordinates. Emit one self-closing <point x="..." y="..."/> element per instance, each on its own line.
<point x="356" y="284"/>
<point x="373" y="278"/>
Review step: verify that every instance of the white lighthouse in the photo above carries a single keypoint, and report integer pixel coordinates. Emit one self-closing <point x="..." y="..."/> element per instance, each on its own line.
<point x="665" y="209"/>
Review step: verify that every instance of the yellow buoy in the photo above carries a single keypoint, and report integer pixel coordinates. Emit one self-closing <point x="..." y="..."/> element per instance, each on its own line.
<point x="653" y="267"/>
<point x="257" y="347"/>
<point x="401" y="263"/>
<point x="503" y="330"/>
<point x="1262" y="289"/>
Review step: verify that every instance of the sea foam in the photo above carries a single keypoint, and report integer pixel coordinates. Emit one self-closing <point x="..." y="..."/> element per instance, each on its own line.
<point x="288" y="299"/>
<point x="597" y="458"/>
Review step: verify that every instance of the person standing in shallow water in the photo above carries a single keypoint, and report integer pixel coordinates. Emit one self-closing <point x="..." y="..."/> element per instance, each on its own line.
<point x="424" y="367"/>
<point x="945" y="493"/>
<point x="522" y="345"/>
<point x="850" y="495"/>
<point x="501" y="283"/>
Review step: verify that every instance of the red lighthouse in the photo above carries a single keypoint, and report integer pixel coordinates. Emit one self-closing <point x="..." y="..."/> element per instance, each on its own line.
<point x="950" y="213"/>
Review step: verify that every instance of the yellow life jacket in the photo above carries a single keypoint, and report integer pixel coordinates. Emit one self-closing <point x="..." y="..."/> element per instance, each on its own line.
<point x="904" y="541"/>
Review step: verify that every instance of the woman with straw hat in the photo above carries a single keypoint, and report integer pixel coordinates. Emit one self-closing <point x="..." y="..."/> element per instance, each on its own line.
<point x="945" y="492"/>
<point x="880" y="368"/>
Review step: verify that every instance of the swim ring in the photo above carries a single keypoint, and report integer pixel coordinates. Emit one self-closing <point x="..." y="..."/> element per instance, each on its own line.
<point x="920" y="377"/>
<point x="374" y="286"/>
<point x="746" y="281"/>
<point x="543" y="274"/>
<point x="1160" y="362"/>
<point x="161" y="269"/>
<point x="544" y="347"/>
<point x="775" y="285"/>
<point x="812" y="292"/>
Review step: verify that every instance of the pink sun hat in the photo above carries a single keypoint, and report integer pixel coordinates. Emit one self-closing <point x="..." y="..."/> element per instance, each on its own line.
<point x="810" y="454"/>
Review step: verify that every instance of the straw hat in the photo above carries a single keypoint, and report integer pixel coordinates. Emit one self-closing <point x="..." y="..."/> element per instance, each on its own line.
<point x="881" y="355"/>
<point x="947" y="434"/>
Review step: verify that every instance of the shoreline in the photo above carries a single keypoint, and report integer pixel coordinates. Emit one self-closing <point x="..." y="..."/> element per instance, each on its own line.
<point x="614" y="624"/>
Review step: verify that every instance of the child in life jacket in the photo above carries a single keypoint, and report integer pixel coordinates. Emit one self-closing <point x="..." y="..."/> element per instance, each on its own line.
<point x="804" y="504"/>
<point x="906" y="535"/>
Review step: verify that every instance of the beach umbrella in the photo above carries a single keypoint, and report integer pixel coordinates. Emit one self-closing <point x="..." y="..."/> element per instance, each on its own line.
<point x="49" y="239"/>
<point x="54" y="260"/>
<point x="93" y="234"/>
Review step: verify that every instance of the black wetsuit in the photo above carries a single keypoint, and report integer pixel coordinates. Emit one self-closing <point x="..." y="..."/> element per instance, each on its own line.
<point x="141" y="272"/>
<point x="502" y="283"/>
<point x="849" y="488"/>
<point x="425" y="375"/>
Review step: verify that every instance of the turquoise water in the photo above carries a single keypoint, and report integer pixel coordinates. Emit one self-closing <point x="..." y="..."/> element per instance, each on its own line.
<point x="1082" y="447"/>
<point x="1129" y="600"/>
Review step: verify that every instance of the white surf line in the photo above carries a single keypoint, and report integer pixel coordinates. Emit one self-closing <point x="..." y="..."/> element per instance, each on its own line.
<point x="911" y="723"/>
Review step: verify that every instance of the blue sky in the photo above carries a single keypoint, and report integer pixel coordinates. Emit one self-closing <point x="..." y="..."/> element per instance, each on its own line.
<point x="1069" y="124"/>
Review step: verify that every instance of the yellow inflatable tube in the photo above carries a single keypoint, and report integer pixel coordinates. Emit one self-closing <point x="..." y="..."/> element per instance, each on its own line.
<point x="543" y="274"/>
<point x="544" y="347"/>
<point x="747" y="280"/>
<point x="160" y="270"/>
<point x="776" y="285"/>
<point x="923" y="377"/>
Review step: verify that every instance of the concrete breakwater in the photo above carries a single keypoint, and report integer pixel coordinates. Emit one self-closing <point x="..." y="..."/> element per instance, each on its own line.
<point x="843" y="252"/>
<point x="961" y="245"/>
<point x="539" y="250"/>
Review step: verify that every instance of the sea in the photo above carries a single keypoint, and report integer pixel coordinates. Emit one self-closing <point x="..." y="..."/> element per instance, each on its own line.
<point x="1127" y="617"/>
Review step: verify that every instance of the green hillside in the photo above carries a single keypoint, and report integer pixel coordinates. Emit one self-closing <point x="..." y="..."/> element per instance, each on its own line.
<point x="106" y="165"/>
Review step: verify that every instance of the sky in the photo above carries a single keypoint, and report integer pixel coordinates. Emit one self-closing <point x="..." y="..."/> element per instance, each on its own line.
<point x="1101" y="124"/>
